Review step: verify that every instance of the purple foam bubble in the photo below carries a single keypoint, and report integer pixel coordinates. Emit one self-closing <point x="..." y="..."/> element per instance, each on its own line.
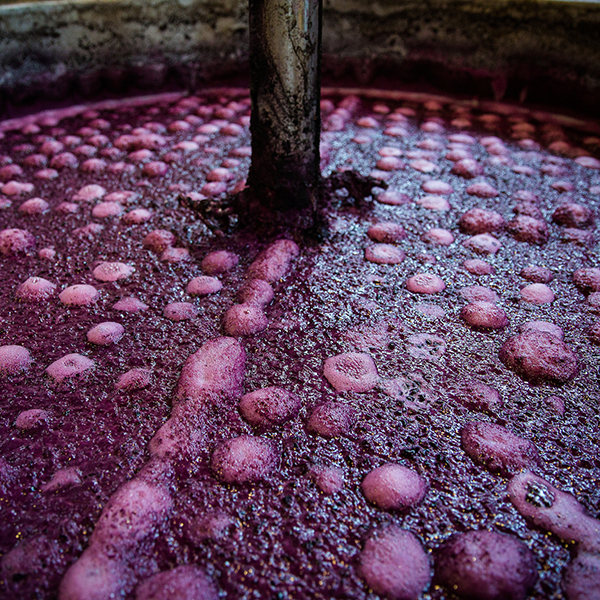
<point x="332" y="419"/>
<point x="112" y="271"/>
<point x="244" y="459"/>
<point x="186" y="582"/>
<point x="484" y="315"/>
<point x="394" y="564"/>
<point x="69" y="366"/>
<point x="79" y="295"/>
<point x="105" y="333"/>
<point x="219" y="261"/>
<point x="496" y="448"/>
<point x="245" y="319"/>
<point x="425" y="283"/>
<point x="13" y="359"/>
<point x="394" y="487"/>
<point x="352" y="371"/>
<point x="486" y="565"/>
<point x="537" y="357"/>
<point x="550" y="509"/>
<point x="274" y="262"/>
<point x="269" y="407"/>
<point x="217" y="367"/>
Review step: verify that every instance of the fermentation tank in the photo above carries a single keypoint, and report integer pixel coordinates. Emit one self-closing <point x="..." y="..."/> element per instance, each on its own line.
<point x="398" y="401"/>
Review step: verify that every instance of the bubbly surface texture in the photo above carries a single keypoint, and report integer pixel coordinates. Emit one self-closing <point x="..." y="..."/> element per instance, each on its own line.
<point x="184" y="411"/>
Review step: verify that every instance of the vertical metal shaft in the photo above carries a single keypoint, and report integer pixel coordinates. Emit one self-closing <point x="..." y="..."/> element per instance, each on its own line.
<point x="285" y="82"/>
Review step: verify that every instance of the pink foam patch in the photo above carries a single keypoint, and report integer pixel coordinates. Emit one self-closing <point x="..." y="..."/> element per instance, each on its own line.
<point x="220" y="174"/>
<point x="34" y="206"/>
<point x="63" y="478"/>
<point x="89" y="193"/>
<point x="538" y="357"/>
<point x="481" y="220"/>
<point x="155" y="169"/>
<point x="256" y="291"/>
<point x="589" y="162"/>
<point x="129" y="304"/>
<point x="69" y="366"/>
<point x="537" y="274"/>
<point x="483" y="243"/>
<point x="107" y="209"/>
<point x="186" y="582"/>
<point x="476" y="395"/>
<point x="92" y="571"/>
<point x="219" y="261"/>
<point x="581" y="578"/>
<point x="392" y="198"/>
<point x="497" y="449"/>
<point x="329" y="480"/>
<point x="484" y="315"/>
<point x="482" y="190"/>
<point x="274" y="263"/>
<point x="244" y="459"/>
<point x="351" y="372"/>
<point x="79" y="295"/>
<point x="394" y="564"/>
<point x="35" y="289"/>
<point x="394" y="487"/>
<point x="550" y="509"/>
<point x="32" y="418"/>
<point x="159" y="240"/>
<point x="138" y="215"/>
<point x="134" y="379"/>
<point x="467" y="168"/>
<point x="433" y="202"/>
<point x="586" y="279"/>
<point x="529" y="229"/>
<point x="537" y="293"/>
<point x="478" y="267"/>
<point x="478" y="293"/>
<point x="572" y="214"/>
<point x="269" y="407"/>
<point x="384" y="254"/>
<point x="14" y="359"/>
<point x="437" y="236"/>
<point x="486" y="565"/>
<point x="390" y="163"/>
<point x="130" y="515"/>
<point x="217" y="367"/>
<point x="16" y="188"/>
<point x="245" y="319"/>
<point x="425" y="283"/>
<point x="106" y="333"/>
<point x="203" y="286"/>
<point x="13" y="241"/>
<point x="175" y="255"/>
<point x="332" y="419"/>
<point x="387" y="232"/>
<point x="112" y="271"/>
<point x="180" y="311"/>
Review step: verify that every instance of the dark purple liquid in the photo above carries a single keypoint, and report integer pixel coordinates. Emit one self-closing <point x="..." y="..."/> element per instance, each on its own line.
<point x="286" y="538"/>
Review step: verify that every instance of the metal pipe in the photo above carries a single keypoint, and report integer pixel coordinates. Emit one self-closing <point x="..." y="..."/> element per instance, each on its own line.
<point x="285" y="82"/>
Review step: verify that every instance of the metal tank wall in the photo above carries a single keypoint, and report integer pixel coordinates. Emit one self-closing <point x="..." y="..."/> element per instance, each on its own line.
<point x="537" y="50"/>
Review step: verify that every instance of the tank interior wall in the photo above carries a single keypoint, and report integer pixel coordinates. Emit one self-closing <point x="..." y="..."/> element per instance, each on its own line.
<point x="540" y="50"/>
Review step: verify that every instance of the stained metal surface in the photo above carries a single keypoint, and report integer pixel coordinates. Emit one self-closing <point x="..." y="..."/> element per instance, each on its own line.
<point x="285" y="38"/>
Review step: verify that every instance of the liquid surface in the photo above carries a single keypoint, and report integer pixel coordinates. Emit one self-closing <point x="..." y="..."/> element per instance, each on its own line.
<point x="299" y="529"/>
